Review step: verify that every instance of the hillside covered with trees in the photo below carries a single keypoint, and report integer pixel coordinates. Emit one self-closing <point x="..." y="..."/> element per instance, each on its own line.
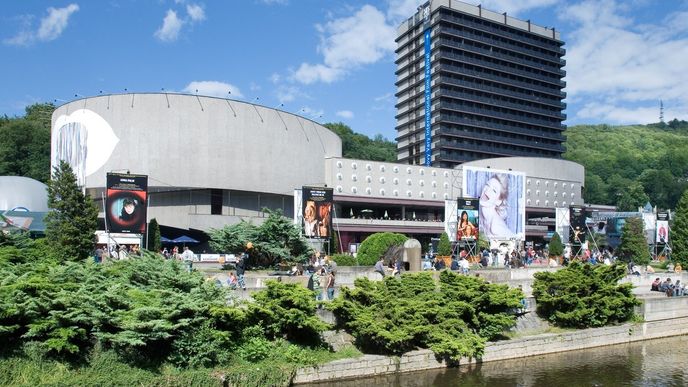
<point x="628" y="166"/>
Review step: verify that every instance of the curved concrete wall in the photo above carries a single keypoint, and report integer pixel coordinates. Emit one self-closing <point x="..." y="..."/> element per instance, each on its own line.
<point x="190" y="141"/>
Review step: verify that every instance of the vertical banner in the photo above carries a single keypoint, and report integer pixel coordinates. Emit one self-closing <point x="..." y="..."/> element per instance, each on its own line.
<point x="127" y="198"/>
<point x="662" y="233"/>
<point x="578" y="227"/>
<point x="563" y="223"/>
<point x="469" y="219"/>
<point x="450" y="216"/>
<point x="428" y="98"/>
<point x="501" y="201"/>
<point x="317" y="212"/>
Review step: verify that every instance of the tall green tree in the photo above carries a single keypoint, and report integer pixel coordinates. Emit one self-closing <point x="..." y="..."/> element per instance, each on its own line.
<point x="633" y="245"/>
<point x="153" y="243"/>
<point x="444" y="246"/>
<point x="556" y="248"/>
<point x="679" y="231"/>
<point x="25" y="144"/>
<point x="72" y="220"/>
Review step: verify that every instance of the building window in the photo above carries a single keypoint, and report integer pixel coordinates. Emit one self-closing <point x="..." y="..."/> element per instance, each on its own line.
<point x="215" y="202"/>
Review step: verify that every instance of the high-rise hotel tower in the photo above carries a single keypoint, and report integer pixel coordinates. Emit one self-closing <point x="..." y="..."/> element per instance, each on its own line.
<point x="475" y="84"/>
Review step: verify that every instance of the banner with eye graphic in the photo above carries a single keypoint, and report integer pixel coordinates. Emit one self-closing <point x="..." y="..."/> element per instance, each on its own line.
<point x="126" y="203"/>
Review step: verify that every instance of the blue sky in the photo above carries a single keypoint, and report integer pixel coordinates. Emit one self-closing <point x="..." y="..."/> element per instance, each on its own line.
<point x="327" y="60"/>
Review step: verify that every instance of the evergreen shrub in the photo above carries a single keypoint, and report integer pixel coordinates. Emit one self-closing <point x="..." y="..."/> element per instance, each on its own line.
<point x="583" y="295"/>
<point x="376" y="245"/>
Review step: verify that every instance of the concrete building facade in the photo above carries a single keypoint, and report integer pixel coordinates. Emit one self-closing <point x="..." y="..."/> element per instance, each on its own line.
<point x="474" y="84"/>
<point x="213" y="162"/>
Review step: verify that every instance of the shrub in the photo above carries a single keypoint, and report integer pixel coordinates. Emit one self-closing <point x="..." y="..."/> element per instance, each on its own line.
<point x="584" y="295"/>
<point x="453" y="320"/>
<point x="556" y="248"/>
<point x="345" y="260"/>
<point x="376" y="245"/>
<point x="444" y="246"/>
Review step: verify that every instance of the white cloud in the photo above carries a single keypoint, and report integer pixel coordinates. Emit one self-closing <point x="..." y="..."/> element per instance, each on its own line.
<point x="50" y="28"/>
<point x="52" y="25"/>
<point x="308" y="73"/>
<point x="213" y="89"/>
<point x="286" y="94"/>
<point x="621" y="69"/>
<point x="347" y="114"/>
<point x="196" y="12"/>
<point x="171" y="26"/>
<point x="348" y="43"/>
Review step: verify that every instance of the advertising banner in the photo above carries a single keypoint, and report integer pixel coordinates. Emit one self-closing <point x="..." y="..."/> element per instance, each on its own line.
<point x="126" y="203"/>
<point x="469" y="217"/>
<point x="317" y="212"/>
<point x="578" y="227"/>
<point x="501" y="199"/>
<point x="662" y="236"/>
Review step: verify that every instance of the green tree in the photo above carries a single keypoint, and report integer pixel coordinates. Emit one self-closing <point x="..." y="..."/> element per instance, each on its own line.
<point x="583" y="295"/>
<point x="25" y="144"/>
<point x="632" y="197"/>
<point x="277" y="238"/>
<point x="556" y="248"/>
<point x="633" y="245"/>
<point x="72" y="220"/>
<point x="444" y="246"/>
<point x="153" y="243"/>
<point x="377" y="245"/>
<point x="595" y="189"/>
<point x="679" y="231"/>
<point x="359" y="146"/>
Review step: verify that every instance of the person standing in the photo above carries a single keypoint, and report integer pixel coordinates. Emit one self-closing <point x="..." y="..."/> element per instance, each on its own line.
<point x="330" y="285"/>
<point x="240" y="269"/>
<point x="188" y="257"/>
<point x="380" y="266"/>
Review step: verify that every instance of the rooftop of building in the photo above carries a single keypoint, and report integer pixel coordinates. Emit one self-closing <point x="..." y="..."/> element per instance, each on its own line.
<point x="479" y="11"/>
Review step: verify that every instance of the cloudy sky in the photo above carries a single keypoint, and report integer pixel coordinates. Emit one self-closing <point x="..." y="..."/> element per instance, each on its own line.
<point x="331" y="61"/>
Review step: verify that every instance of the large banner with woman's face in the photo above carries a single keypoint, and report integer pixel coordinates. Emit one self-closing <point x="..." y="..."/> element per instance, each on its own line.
<point x="501" y="198"/>
<point x="317" y="212"/>
<point x="126" y="203"/>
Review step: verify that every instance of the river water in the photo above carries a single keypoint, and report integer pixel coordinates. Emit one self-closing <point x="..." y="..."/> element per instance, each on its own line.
<point x="661" y="362"/>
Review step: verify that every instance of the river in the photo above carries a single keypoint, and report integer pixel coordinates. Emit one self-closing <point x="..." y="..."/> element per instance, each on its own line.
<point x="660" y="362"/>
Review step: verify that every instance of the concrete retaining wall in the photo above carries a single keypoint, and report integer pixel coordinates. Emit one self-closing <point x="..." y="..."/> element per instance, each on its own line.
<point x="665" y="317"/>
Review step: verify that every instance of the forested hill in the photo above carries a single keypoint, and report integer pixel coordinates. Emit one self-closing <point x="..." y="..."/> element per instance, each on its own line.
<point x="628" y="166"/>
<point x="360" y="146"/>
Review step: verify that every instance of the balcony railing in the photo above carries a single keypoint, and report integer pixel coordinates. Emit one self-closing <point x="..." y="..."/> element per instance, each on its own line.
<point x="445" y="80"/>
<point x="501" y="115"/>
<point x="501" y="103"/>
<point x="496" y="126"/>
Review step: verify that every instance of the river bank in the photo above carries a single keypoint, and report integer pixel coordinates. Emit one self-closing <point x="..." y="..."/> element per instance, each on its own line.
<point x="662" y="317"/>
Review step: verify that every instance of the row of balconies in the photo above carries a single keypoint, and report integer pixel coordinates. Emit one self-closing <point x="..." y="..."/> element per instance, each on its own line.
<point x="555" y="148"/>
<point x="458" y="120"/>
<point x="500" y="115"/>
<point x="500" y="102"/>
<point x="464" y="33"/>
<point x="503" y="80"/>
<point x="468" y="21"/>
<point x="450" y="132"/>
<point x="483" y="56"/>
<point x="529" y="97"/>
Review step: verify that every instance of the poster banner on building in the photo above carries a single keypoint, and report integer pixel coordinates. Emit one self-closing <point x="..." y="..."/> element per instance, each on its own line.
<point x="469" y="217"/>
<point x="126" y="203"/>
<point x="450" y="216"/>
<point x="562" y="223"/>
<point x="578" y="227"/>
<point x="317" y="212"/>
<point x="501" y="198"/>
<point x="662" y="236"/>
<point x="298" y="210"/>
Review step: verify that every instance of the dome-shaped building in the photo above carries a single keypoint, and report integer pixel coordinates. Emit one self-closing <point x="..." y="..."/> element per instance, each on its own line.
<point x="209" y="161"/>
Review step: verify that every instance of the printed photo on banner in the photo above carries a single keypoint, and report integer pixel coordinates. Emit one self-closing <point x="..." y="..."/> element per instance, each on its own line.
<point x="126" y="203"/>
<point x="501" y="201"/>
<point x="317" y="212"/>
<point x="468" y="223"/>
<point x="662" y="231"/>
